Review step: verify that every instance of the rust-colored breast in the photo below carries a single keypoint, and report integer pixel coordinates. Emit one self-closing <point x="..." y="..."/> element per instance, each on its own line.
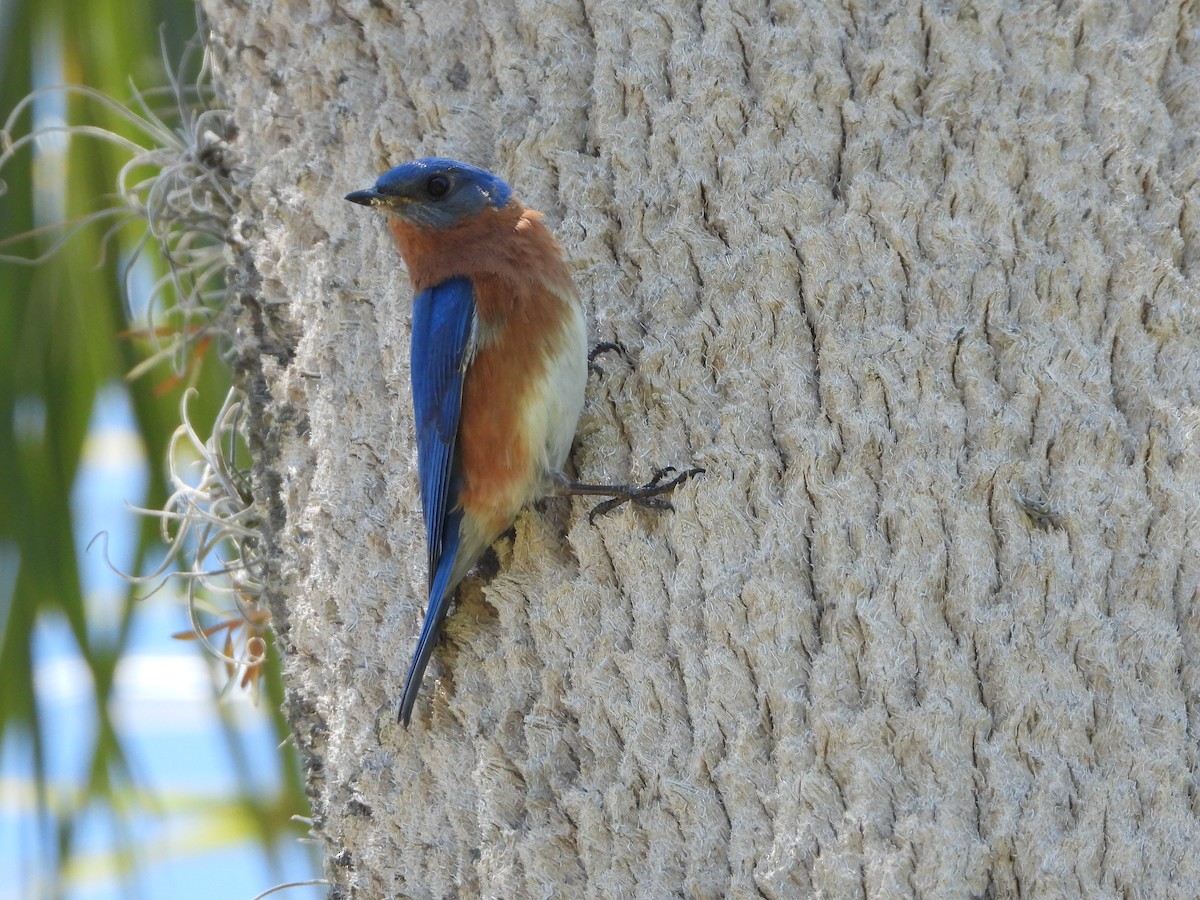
<point x="512" y="243"/>
<point x="522" y="288"/>
<point x="519" y="331"/>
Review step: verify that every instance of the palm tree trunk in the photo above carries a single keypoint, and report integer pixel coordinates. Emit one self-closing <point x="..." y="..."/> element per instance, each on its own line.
<point x="916" y="285"/>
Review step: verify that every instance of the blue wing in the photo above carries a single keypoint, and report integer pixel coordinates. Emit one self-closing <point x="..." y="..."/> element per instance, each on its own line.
<point x="443" y="318"/>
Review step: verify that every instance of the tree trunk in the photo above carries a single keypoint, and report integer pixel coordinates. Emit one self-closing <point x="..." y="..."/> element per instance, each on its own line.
<point x="916" y="284"/>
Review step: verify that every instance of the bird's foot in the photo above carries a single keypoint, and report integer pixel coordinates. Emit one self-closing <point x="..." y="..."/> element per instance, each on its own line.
<point x="652" y="494"/>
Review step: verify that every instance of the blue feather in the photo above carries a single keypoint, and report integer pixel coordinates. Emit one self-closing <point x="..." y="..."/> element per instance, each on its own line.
<point x="465" y="192"/>
<point x="435" y="615"/>
<point x="442" y="320"/>
<point x="443" y="317"/>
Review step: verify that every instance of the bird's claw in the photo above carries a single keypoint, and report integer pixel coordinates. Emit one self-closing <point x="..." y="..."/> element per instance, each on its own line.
<point x="600" y="348"/>
<point x="649" y="494"/>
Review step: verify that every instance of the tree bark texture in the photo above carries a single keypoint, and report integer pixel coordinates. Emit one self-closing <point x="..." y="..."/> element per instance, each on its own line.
<point x="916" y="283"/>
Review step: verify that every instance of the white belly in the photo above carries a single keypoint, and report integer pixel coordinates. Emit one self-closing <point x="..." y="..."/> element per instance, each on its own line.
<point x="557" y="399"/>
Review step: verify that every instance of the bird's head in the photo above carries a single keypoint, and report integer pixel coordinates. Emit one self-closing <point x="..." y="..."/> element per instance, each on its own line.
<point x="435" y="192"/>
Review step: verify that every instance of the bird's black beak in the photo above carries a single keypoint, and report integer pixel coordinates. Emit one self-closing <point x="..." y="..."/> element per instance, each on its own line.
<point x="369" y="197"/>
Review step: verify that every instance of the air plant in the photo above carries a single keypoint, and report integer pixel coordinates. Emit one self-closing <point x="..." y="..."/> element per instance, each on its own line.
<point x="176" y="185"/>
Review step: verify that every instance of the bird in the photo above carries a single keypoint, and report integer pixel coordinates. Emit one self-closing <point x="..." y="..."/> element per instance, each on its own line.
<point x="499" y="365"/>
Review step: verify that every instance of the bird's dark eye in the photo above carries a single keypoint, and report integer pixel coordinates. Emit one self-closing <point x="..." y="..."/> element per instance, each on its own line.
<point x="437" y="186"/>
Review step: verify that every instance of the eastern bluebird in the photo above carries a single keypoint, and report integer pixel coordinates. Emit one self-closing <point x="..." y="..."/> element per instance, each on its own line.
<point x="499" y="363"/>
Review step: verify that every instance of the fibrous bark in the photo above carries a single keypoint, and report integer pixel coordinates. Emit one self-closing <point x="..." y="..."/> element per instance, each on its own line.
<point x="916" y="284"/>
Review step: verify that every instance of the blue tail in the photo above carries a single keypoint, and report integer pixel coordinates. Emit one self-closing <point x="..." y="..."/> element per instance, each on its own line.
<point x="439" y="604"/>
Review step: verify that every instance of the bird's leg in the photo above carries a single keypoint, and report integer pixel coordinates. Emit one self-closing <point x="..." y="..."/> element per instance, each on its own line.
<point x="603" y="347"/>
<point x="649" y="494"/>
